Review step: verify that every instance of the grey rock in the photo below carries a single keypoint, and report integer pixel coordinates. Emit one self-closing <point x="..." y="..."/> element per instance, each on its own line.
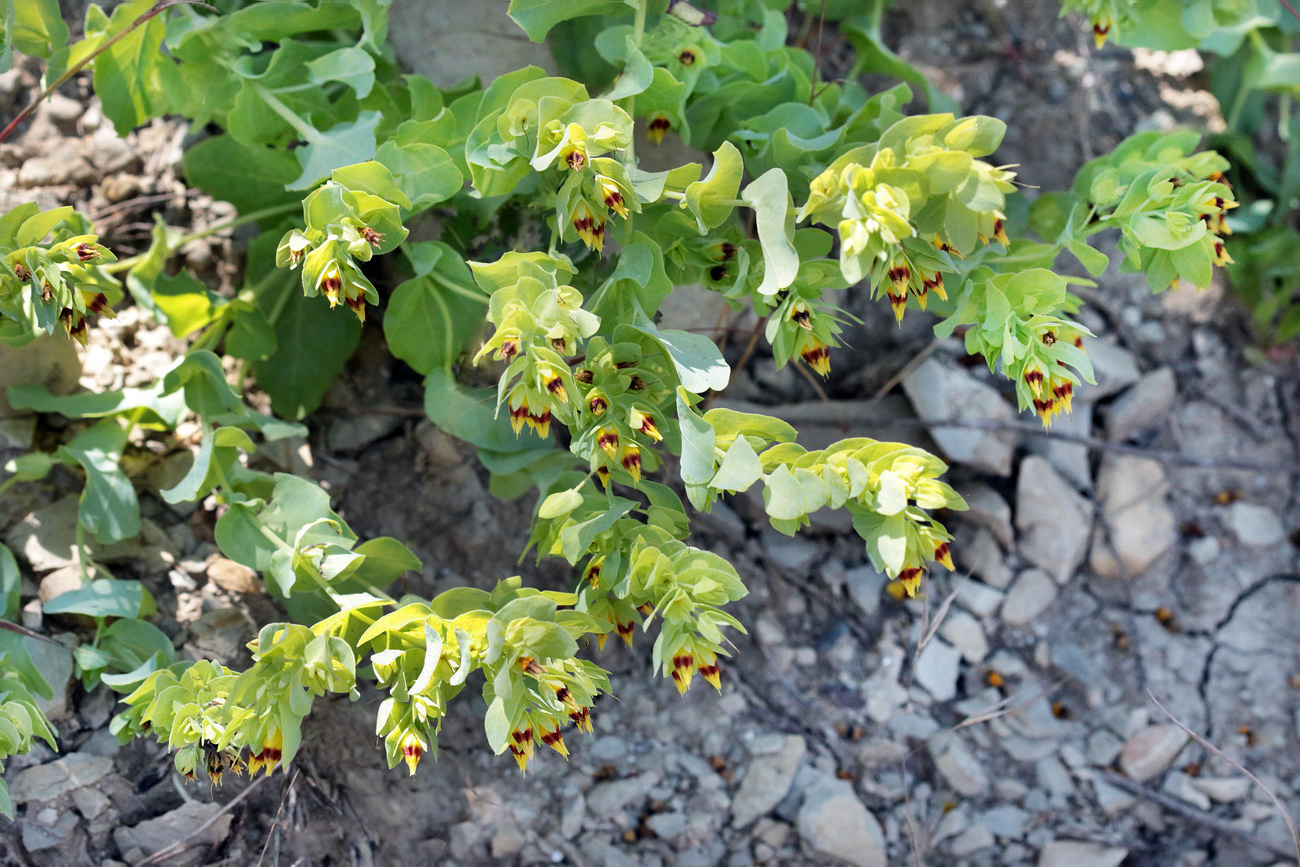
<point x="152" y="835"/>
<point x="940" y="391"/>
<point x="979" y="599"/>
<point x="970" y="841"/>
<point x="354" y="433"/>
<point x="768" y="779"/>
<point x="959" y="767"/>
<point x="1133" y="493"/>
<point x="987" y="509"/>
<point x="44" y="783"/>
<point x="667" y="826"/>
<point x="1204" y="550"/>
<point x="1254" y="525"/>
<point x="1181" y="786"/>
<point x="1053" y="519"/>
<point x="1150" y="751"/>
<point x="52" y="363"/>
<point x="571" y="820"/>
<point x="507" y="841"/>
<point x="965" y="633"/>
<point x="62" y="165"/>
<point x="1115" y="369"/>
<point x="1223" y="790"/>
<point x="1006" y="821"/>
<point x="90" y="802"/>
<point x="47" y="537"/>
<point x="1112" y="799"/>
<point x="109" y="153"/>
<point x="1069" y="458"/>
<point x="606" y="799"/>
<point x="1053" y="777"/>
<point x="1080" y="853"/>
<point x="937" y="668"/>
<point x="865" y="585"/>
<point x="984" y="558"/>
<point x="448" y="41"/>
<point x="1031" y="595"/>
<point x="794" y="554"/>
<point x="833" y="822"/>
<point x="39" y="835"/>
<point x="1143" y="406"/>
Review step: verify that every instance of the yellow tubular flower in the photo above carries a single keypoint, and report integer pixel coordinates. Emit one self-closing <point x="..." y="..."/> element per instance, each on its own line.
<point x="817" y="355"/>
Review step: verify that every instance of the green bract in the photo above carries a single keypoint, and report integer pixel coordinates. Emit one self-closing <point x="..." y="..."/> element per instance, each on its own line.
<point x="555" y="251"/>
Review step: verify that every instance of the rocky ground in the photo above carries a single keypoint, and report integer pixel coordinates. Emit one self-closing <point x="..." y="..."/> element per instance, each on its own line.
<point x="1134" y="570"/>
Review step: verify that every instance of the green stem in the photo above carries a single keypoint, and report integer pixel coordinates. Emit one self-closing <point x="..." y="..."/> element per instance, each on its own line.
<point x="143" y="19"/>
<point x="300" y="126"/>
<point x="243" y="219"/>
<point x="456" y="288"/>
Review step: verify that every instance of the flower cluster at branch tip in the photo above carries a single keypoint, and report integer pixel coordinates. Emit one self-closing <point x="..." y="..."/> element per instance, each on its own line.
<point x="922" y="180"/>
<point x="54" y="285"/>
<point x="1108" y="17"/>
<point x="344" y="227"/>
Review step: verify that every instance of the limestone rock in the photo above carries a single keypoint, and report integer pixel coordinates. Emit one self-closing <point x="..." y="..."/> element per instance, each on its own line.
<point x="939" y="390"/>
<point x="768" y="779"/>
<point x="44" y="783"/>
<point x="1143" y="406"/>
<point x="1134" y="502"/>
<point x="1080" y="853"/>
<point x="1254" y="525"/>
<point x="1150" y="751"/>
<point x="1053" y="519"/>
<point x="833" y="822"/>
<point x="1031" y="595"/>
<point x="937" y="668"/>
<point x="156" y="834"/>
<point x="987" y="509"/>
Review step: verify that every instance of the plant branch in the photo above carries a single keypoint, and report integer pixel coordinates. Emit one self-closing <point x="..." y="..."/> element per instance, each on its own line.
<point x="160" y="6"/>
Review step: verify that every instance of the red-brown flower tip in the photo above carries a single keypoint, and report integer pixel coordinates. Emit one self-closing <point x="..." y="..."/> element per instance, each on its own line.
<point x="659" y="126"/>
<point x="817" y="355"/>
<point x="47" y="292"/>
<point x="1000" y="233"/>
<point x="585" y="376"/>
<point x="99" y="303"/>
<point x="411" y="753"/>
<point x="712" y="673"/>
<point x="625" y="631"/>
<point x="530" y="665"/>
<point x="575" y="159"/>
<point x="688" y="57"/>
<point x="1034" y="378"/>
<point x="372" y="237"/>
<point x="943" y="553"/>
<point x="509" y="349"/>
<point x="608" y="441"/>
<point x="603" y="473"/>
<point x="802" y="318"/>
<point x="631" y="461"/>
<point x="728" y="251"/>
<point x="555" y="740"/>
<point x="582" y="719"/>
<point x="910" y="578"/>
<point x="331" y="284"/>
<point x="78" y="332"/>
<point x="85" y="252"/>
<point x="683" y="671"/>
<point x="22" y="272"/>
<point x="357" y="304"/>
<point x="593" y="571"/>
<point x="598" y="405"/>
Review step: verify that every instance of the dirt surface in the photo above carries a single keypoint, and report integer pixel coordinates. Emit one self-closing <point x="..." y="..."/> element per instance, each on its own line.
<point x="1145" y="553"/>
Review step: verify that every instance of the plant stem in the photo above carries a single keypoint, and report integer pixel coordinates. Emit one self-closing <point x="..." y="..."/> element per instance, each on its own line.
<point x="160" y="6"/>
<point x="243" y="219"/>
<point x="288" y="115"/>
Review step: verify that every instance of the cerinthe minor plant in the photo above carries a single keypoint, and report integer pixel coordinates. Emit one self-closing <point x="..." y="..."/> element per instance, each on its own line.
<point x="811" y="186"/>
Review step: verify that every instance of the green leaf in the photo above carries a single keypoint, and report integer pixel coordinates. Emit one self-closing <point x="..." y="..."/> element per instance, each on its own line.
<point x="104" y="597"/>
<point x="250" y="177"/>
<point x="426" y="173"/>
<point x="432" y="317"/>
<point x="11" y="582"/>
<point x="108" y="507"/>
<point x="697" y="359"/>
<point x="187" y="304"/>
<point x="386" y="560"/>
<point x="470" y="415"/>
<point x="698" y="441"/>
<point x="350" y="66"/>
<point x="537" y="17"/>
<point x="740" y="468"/>
<point x="217" y="455"/>
<point x="576" y="539"/>
<point x="312" y="344"/>
<point x="769" y="196"/>
<point x="134" y="79"/>
<point x="341" y="145"/>
<point x="372" y="177"/>
<point x="35" y="27"/>
<point x="709" y="198"/>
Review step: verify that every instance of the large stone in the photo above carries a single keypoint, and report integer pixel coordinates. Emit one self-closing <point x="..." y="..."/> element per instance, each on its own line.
<point x="834" y="823"/>
<point x="1150" y="751"/>
<point x="450" y="40"/>
<point x="940" y="391"/>
<point x="965" y="633"/>
<point x="937" y="667"/>
<point x="1053" y="519"/>
<point x="1115" y="369"/>
<point x="987" y="509"/>
<point x="1133" y="493"/>
<point x="959" y="767"/>
<point x="1080" y="853"/>
<point x="1143" y="406"/>
<point x="1254" y="525"/>
<point x="47" y="537"/>
<point x="154" y="835"/>
<point x="768" y="780"/>
<point x="44" y="783"/>
<point x="1031" y="595"/>
<point x="1070" y="458"/>
<point x="51" y="363"/>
